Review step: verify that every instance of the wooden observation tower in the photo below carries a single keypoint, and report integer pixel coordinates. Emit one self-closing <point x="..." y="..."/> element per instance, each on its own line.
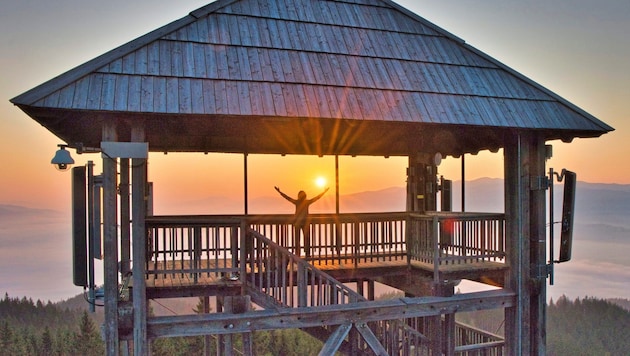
<point x="317" y="77"/>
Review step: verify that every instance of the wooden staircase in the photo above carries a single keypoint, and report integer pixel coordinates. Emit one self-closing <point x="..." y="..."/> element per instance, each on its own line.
<point x="277" y="278"/>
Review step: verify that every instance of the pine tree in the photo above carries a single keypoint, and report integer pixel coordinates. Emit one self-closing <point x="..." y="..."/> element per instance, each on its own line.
<point x="47" y="343"/>
<point x="87" y="340"/>
<point x="6" y="336"/>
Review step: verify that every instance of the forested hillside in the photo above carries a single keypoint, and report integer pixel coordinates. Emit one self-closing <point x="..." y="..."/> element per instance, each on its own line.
<point x="587" y="327"/>
<point x="35" y="328"/>
<point x="581" y="327"/>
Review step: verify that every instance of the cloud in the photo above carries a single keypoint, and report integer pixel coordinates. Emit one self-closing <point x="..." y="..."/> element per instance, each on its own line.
<point x="593" y="278"/>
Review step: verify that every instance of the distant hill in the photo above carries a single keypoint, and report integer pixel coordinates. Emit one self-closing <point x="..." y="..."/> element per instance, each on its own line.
<point x="600" y="266"/>
<point x="12" y="212"/>
<point x="624" y="303"/>
<point x="587" y="327"/>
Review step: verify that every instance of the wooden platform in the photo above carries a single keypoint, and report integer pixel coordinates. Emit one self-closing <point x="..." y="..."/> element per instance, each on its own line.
<point x="180" y="282"/>
<point x="210" y="281"/>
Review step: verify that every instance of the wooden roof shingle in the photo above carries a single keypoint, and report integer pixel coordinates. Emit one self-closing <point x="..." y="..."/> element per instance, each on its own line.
<point x="233" y="70"/>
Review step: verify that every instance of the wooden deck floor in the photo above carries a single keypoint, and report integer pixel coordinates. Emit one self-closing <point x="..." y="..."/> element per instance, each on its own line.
<point x="179" y="281"/>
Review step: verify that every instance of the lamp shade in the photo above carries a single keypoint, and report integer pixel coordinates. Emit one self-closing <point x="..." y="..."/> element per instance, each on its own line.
<point x="62" y="159"/>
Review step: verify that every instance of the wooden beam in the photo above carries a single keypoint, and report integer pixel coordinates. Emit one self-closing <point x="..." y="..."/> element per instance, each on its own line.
<point x="125" y="219"/>
<point x="538" y="245"/>
<point x="139" y="202"/>
<point x="294" y="318"/>
<point x="517" y="211"/>
<point x="371" y="339"/>
<point x="110" y="245"/>
<point x="334" y="341"/>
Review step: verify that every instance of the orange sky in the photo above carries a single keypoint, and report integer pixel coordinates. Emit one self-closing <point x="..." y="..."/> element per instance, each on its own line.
<point x="578" y="51"/>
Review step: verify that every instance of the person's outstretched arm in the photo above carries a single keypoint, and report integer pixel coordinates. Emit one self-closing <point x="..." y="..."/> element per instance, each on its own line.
<point x="319" y="196"/>
<point x="285" y="196"/>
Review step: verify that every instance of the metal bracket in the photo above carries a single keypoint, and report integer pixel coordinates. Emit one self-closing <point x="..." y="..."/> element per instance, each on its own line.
<point x="539" y="183"/>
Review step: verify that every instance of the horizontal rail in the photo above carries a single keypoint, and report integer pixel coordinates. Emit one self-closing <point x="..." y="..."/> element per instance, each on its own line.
<point x="226" y="323"/>
<point x="445" y="238"/>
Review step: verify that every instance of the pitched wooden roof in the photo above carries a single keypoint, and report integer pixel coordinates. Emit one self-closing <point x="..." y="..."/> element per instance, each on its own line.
<point x="303" y="76"/>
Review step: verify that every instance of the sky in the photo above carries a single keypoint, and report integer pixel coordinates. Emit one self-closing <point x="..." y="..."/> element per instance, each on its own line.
<point x="576" y="48"/>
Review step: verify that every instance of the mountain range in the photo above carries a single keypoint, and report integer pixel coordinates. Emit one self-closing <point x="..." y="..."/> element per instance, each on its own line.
<point x="35" y="245"/>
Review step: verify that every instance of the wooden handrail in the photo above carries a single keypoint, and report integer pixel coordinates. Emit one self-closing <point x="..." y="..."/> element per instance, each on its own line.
<point x="436" y="238"/>
<point x="268" y="266"/>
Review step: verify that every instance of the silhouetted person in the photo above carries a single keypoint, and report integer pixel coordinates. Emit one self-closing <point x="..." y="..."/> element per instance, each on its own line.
<point x="301" y="219"/>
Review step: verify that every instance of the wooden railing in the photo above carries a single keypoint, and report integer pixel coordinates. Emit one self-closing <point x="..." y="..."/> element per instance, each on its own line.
<point x="471" y="341"/>
<point x="288" y="279"/>
<point x="442" y="239"/>
<point x="210" y="244"/>
<point x="343" y="238"/>
<point x="192" y="245"/>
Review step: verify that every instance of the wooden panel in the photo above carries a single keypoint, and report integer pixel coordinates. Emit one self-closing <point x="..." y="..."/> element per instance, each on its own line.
<point x="300" y="98"/>
<point x="163" y="56"/>
<point x="128" y="63"/>
<point x="220" y="95"/>
<point x="265" y="65"/>
<point x="244" y="66"/>
<point x="196" y="95"/>
<point x="121" y="94"/>
<point x="135" y="94"/>
<point x="159" y="95"/>
<point x="66" y="96"/>
<point x="52" y="100"/>
<point x="255" y="99"/>
<point x="199" y="58"/>
<point x="211" y="62"/>
<point x="94" y="91"/>
<point x="290" y="105"/>
<point x="147" y="96"/>
<point x="108" y="92"/>
<point x="172" y="95"/>
<point x="209" y="104"/>
<point x="278" y="99"/>
<point x="221" y="62"/>
<point x="188" y="60"/>
<point x="238" y="98"/>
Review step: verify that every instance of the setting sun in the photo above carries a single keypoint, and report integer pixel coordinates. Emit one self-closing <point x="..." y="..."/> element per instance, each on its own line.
<point x="320" y="182"/>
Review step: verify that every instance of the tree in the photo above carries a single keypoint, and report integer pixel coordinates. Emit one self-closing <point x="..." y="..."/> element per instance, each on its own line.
<point x="47" y="343"/>
<point x="87" y="341"/>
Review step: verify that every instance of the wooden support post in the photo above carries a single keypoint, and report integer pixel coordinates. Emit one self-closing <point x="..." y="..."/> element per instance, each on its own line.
<point x="139" y="241"/>
<point x="421" y="183"/>
<point x="538" y="243"/>
<point x="525" y="207"/>
<point x="110" y="245"/>
<point x="220" y="337"/>
<point x="435" y="334"/>
<point x="360" y="285"/>
<point x="125" y="219"/>
<point x="370" y="295"/>
<point x="449" y="334"/>
<point x="207" y="339"/>
<point x="235" y="305"/>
